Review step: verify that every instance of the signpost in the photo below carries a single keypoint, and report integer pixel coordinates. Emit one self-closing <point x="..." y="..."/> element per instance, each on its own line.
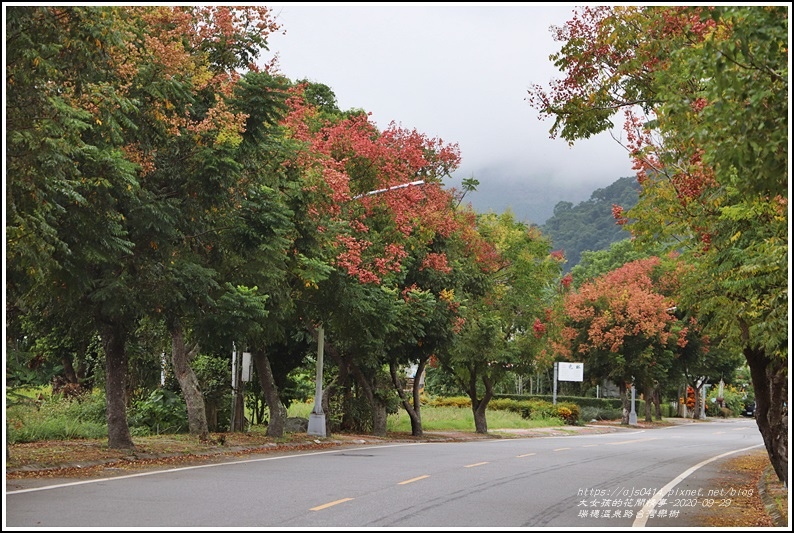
<point x="566" y="372"/>
<point x="241" y="373"/>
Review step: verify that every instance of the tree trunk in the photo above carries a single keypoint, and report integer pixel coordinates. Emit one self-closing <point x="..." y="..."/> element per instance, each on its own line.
<point x="81" y="377"/>
<point x="278" y="413"/>
<point x="770" y="383"/>
<point x="348" y="420"/>
<point x="68" y="370"/>
<point x="480" y="421"/>
<point x="113" y="341"/>
<point x="377" y="406"/>
<point x="379" y="417"/>
<point x="648" y="403"/>
<point x="211" y="407"/>
<point x="416" y="424"/>
<point x="680" y="407"/>
<point x="478" y="407"/>
<point x="699" y="405"/>
<point x="188" y="383"/>
<point x="413" y="410"/>
<point x="657" y="401"/>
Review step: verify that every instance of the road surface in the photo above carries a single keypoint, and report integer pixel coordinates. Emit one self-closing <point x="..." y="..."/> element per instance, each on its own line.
<point x="630" y="478"/>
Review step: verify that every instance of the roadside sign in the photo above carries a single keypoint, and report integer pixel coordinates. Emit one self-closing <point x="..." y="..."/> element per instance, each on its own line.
<point x="570" y="371"/>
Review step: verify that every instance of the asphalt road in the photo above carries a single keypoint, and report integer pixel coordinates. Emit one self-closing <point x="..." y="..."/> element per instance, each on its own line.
<point x="631" y="478"/>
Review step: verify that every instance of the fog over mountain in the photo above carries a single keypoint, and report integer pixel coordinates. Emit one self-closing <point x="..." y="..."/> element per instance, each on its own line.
<point x="458" y="73"/>
<point x="531" y="198"/>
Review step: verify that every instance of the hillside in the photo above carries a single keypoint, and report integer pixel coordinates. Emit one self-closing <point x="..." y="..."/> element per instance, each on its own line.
<point x="589" y="225"/>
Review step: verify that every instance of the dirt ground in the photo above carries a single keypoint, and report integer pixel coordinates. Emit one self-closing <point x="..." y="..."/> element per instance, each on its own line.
<point x="768" y="507"/>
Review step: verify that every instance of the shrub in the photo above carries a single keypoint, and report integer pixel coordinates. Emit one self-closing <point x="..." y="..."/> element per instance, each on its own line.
<point x="505" y="404"/>
<point x="732" y="399"/>
<point x="598" y="413"/>
<point x="451" y="401"/>
<point x="537" y="409"/>
<point x="162" y="411"/>
<point x="581" y="401"/>
<point x="567" y="412"/>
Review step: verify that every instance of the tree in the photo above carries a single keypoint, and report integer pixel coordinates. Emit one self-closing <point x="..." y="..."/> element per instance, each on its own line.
<point x="362" y="219"/>
<point x="424" y="326"/>
<point x="438" y="278"/>
<point x="100" y="98"/>
<point x="70" y="181"/>
<point x="623" y="326"/>
<point x="597" y="263"/>
<point x="497" y="333"/>
<point x="702" y="358"/>
<point x="705" y="93"/>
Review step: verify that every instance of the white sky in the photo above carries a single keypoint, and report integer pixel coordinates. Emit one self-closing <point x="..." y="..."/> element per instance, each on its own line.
<point x="454" y="71"/>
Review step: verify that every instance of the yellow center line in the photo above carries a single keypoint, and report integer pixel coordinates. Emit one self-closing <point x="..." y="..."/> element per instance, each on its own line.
<point x="589" y="445"/>
<point x="411" y="480"/>
<point x="525" y="455"/>
<point x="631" y="441"/>
<point x="331" y="504"/>
<point x="477" y="464"/>
<point x="560" y="449"/>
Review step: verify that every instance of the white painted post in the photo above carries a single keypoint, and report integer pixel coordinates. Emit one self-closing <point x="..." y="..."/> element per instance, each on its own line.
<point x="317" y="417"/>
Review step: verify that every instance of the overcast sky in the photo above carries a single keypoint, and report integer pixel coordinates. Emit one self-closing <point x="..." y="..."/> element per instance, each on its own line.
<point x="458" y="72"/>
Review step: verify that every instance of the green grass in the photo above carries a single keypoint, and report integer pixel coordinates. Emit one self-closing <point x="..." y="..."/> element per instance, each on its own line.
<point x="446" y="419"/>
<point x="54" y="419"/>
<point x="462" y="419"/>
<point x="300" y="409"/>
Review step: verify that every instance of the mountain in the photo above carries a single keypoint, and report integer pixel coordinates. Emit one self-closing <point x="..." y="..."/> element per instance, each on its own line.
<point x="589" y="225"/>
<point x="531" y="200"/>
<point x="574" y="217"/>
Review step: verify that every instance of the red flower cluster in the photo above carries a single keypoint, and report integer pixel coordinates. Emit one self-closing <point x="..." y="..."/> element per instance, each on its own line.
<point x="539" y="328"/>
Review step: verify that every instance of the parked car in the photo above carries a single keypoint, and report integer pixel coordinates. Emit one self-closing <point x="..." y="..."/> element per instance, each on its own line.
<point x="749" y="409"/>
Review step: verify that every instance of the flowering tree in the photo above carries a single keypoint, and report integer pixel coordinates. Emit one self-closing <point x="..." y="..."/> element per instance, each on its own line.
<point x="104" y="104"/>
<point x="704" y="92"/>
<point x="365" y="227"/>
<point x="440" y="278"/>
<point x="623" y="326"/>
<point x="347" y="159"/>
<point x="500" y="332"/>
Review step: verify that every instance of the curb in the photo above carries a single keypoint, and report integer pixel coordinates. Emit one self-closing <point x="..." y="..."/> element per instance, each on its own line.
<point x="769" y="502"/>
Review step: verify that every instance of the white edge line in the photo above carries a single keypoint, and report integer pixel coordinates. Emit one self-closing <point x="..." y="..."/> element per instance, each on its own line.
<point x="640" y="522"/>
<point x="154" y="472"/>
<point x="518" y="437"/>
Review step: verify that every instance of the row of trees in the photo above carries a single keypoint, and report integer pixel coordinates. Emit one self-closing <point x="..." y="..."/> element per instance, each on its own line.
<point x="625" y="318"/>
<point x="704" y="92"/>
<point x="166" y="195"/>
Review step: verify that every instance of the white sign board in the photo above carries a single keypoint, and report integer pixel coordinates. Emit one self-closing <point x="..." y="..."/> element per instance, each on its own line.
<point x="246" y="367"/>
<point x="570" y="371"/>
